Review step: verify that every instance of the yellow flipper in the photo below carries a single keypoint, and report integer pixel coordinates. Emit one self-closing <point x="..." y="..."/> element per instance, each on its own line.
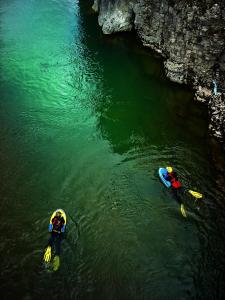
<point x="195" y="194"/>
<point x="56" y="263"/>
<point x="48" y="254"/>
<point x="183" y="211"/>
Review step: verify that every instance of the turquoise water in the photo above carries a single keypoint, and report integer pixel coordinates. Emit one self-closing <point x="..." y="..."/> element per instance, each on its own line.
<point x="86" y="121"/>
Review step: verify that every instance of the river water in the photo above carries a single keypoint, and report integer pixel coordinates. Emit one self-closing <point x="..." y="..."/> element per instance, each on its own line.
<point x="86" y="121"/>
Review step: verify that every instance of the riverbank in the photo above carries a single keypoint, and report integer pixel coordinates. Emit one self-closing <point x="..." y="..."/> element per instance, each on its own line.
<point x="189" y="36"/>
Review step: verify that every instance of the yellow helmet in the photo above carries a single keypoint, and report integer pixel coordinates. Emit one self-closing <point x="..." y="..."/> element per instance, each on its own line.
<point x="169" y="169"/>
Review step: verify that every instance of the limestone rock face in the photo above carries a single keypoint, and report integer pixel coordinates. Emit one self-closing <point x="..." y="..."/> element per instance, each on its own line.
<point x="189" y="34"/>
<point x="114" y="15"/>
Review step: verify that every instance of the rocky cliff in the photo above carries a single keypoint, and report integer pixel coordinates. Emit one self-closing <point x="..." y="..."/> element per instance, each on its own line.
<point x="189" y="34"/>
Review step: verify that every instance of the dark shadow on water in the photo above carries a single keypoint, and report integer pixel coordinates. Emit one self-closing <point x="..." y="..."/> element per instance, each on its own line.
<point x="142" y="105"/>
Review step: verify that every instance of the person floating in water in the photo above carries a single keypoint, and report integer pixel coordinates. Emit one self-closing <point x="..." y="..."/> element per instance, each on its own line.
<point x="177" y="188"/>
<point x="172" y="177"/>
<point x="56" y="229"/>
<point x="57" y="232"/>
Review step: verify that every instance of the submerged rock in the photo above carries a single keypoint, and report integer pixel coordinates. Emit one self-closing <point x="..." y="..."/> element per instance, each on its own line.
<point x="189" y="34"/>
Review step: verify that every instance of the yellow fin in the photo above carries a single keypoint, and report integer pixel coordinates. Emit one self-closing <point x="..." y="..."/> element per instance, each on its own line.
<point x="195" y="194"/>
<point x="56" y="263"/>
<point x="183" y="211"/>
<point x="48" y="254"/>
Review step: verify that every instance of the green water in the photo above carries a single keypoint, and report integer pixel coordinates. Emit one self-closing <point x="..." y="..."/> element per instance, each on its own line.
<point x="86" y="121"/>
